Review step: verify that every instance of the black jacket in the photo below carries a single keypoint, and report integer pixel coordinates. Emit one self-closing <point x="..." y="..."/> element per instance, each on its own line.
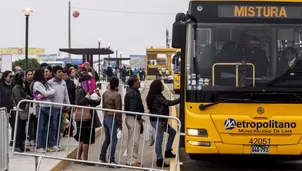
<point x="81" y="100"/>
<point x="133" y="102"/>
<point x="6" y="96"/>
<point x="71" y="90"/>
<point x="160" y="106"/>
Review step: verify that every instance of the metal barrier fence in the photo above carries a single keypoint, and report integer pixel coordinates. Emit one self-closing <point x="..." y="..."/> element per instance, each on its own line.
<point x="140" y="150"/>
<point x="4" y="139"/>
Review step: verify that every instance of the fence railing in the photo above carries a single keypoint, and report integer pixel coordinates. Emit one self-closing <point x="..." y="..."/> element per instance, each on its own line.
<point x="117" y="126"/>
<point x="4" y="139"/>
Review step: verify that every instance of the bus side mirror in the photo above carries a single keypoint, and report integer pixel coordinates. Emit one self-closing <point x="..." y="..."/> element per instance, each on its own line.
<point x="179" y="31"/>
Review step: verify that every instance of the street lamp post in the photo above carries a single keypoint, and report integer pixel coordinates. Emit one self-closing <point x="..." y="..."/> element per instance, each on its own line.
<point x="109" y="56"/>
<point x="116" y="60"/>
<point x="27" y="13"/>
<point x="121" y="60"/>
<point x="99" y="42"/>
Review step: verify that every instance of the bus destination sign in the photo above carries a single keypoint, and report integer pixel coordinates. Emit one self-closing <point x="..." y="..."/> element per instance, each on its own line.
<point x="258" y="11"/>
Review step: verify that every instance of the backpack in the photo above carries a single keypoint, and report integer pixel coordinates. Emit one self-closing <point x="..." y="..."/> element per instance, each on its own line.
<point x="31" y="87"/>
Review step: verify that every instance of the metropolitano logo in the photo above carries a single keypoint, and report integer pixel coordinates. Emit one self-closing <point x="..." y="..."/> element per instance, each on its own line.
<point x="229" y="124"/>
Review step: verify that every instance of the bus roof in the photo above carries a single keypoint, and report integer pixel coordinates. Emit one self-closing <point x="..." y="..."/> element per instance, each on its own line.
<point x="281" y="1"/>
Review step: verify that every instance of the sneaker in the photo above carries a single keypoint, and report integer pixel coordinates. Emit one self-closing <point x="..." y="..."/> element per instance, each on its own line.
<point x="103" y="161"/>
<point x="25" y="149"/>
<point x="169" y="154"/>
<point x="32" y="143"/>
<point x="61" y="148"/>
<point x="41" y="150"/>
<point x="88" y="164"/>
<point x="135" y="164"/>
<point x="113" y="166"/>
<point x="161" y="163"/>
<point x="19" y="150"/>
<point x="53" y="149"/>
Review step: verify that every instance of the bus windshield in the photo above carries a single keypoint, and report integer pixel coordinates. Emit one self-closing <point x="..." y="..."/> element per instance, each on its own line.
<point x="265" y="55"/>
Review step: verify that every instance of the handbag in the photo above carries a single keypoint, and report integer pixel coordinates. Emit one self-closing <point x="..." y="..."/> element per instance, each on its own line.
<point x="82" y="114"/>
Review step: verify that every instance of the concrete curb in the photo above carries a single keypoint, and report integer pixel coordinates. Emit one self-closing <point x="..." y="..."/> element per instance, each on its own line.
<point x="63" y="164"/>
<point x="174" y="112"/>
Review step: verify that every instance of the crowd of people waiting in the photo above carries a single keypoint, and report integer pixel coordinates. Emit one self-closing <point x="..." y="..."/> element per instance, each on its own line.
<point x="64" y="86"/>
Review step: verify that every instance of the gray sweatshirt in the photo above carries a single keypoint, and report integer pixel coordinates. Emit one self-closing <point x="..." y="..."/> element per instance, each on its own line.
<point x="61" y="95"/>
<point x="45" y="91"/>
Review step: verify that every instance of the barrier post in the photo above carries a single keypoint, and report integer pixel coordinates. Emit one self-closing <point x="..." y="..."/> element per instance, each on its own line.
<point x="146" y="163"/>
<point x="4" y="138"/>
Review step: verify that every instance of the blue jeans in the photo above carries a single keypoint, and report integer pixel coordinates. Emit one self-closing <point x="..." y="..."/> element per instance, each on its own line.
<point x="110" y="134"/>
<point x="42" y="119"/>
<point x="159" y="138"/>
<point x="54" y="126"/>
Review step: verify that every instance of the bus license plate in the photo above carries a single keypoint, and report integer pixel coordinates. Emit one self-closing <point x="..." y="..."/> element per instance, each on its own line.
<point x="259" y="149"/>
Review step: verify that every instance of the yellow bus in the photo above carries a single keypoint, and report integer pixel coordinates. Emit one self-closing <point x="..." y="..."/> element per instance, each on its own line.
<point x="176" y="72"/>
<point x="241" y="75"/>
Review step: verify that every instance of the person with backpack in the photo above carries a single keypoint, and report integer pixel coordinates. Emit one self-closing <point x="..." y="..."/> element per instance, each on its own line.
<point x="86" y="128"/>
<point x="32" y="127"/>
<point x="18" y="94"/>
<point x="124" y="75"/>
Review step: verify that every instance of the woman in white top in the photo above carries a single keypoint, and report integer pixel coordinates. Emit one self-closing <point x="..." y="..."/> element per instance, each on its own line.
<point x="42" y="92"/>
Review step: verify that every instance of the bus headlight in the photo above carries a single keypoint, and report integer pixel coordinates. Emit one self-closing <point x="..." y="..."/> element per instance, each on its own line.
<point x="200" y="143"/>
<point x="197" y="132"/>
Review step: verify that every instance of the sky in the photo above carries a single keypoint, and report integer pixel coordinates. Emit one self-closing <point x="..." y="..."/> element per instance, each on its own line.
<point x="128" y="25"/>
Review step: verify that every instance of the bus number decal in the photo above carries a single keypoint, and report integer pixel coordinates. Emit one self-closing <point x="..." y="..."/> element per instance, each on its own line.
<point x="260" y="141"/>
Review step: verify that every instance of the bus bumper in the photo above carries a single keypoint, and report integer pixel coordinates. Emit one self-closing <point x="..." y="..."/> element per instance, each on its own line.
<point x="221" y="148"/>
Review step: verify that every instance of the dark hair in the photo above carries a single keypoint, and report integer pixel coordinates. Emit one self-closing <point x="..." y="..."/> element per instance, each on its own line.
<point x="155" y="89"/>
<point x="19" y="78"/>
<point x="48" y="67"/>
<point x="113" y="82"/>
<point x="43" y="65"/>
<point x="84" y="69"/>
<point x="4" y="75"/>
<point x="68" y="65"/>
<point x="39" y="75"/>
<point x="132" y="80"/>
<point x="29" y="70"/>
<point x="76" y="67"/>
<point x="65" y="71"/>
<point x="85" y="78"/>
<point x="291" y="49"/>
<point x="56" y="68"/>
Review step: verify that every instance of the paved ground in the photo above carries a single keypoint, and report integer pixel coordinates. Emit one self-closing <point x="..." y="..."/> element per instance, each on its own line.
<point x="148" y="153"/>
<point x="242" y="164"/>
<point x="24" y="163"/>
